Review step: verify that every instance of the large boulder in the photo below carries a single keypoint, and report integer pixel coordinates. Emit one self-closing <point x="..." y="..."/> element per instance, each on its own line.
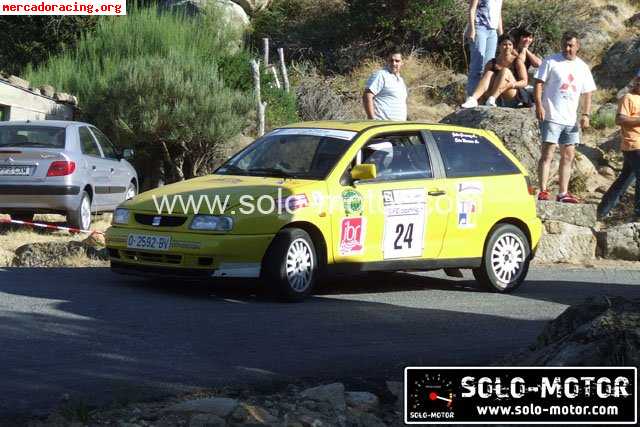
<point x="232" y="11"/>
<point x="622" y="242"/>
<point x="582" y="215"/>
<point x="602" y="331"/>
<point x="619" y="64"/>
<point x="55" y="254"/>
<point x="253" y="6"/>
<point x="517" y="128"/>
<point x="568" y="243"/>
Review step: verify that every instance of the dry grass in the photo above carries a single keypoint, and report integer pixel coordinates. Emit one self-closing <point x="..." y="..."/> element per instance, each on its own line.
<point x="419" y="73"/>
<point x="13" y="238"/>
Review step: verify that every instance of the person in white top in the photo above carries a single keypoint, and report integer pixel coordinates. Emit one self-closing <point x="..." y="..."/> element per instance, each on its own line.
<point x="562" y="82"/>
<point x="385" y="94"/>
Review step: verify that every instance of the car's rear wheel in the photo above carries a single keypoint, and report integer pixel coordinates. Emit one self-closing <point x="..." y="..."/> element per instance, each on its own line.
<point x="290" y="266"/>
<point x="81" y="216"/>
<point x="131" y="191"/>
<point x="506" y="259"/>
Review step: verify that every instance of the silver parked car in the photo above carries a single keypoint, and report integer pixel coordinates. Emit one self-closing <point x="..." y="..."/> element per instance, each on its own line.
<point x="69" y="168"/>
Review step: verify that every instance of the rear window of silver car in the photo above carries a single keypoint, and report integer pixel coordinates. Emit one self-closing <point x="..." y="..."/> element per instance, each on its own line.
<point x="32" y="136"/>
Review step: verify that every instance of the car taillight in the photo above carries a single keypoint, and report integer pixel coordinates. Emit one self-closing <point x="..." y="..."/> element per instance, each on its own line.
<point x="61" y="168"/>
<point x="530" y="188"/>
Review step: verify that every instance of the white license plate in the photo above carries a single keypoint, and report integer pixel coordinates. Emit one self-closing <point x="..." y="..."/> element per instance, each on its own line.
<point x="143" y="241"/>
<point x="15" y="170"/>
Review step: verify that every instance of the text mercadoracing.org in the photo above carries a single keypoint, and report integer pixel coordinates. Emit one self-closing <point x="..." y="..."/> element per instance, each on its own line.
<point x="63" y="7"/>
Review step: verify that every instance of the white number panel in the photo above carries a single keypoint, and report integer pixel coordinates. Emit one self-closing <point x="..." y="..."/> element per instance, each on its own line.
<point x="404" y="223"/>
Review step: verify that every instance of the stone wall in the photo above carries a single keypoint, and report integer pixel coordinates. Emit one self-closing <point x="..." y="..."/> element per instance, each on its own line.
<point x="29" y="104"/>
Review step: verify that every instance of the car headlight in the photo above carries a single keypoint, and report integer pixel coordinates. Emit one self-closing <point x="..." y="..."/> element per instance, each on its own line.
<point x="211" y="223"/>
<point x="120" y="216"/>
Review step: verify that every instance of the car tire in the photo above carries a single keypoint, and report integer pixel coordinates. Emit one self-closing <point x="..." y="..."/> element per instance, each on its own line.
<point x="131" y="192"/>
<point x="81" y="216"/>
<point x="290" y="266"/>
<point x="505" y="261"/>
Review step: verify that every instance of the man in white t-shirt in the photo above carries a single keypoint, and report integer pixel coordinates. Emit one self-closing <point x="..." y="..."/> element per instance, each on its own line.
<point x="562" y="81"/>
<point x="385" y="94"/>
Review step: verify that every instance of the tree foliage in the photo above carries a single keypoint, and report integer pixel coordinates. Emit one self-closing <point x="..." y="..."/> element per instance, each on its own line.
<point x="33" y="39"/>
<point x="156" y="80"/>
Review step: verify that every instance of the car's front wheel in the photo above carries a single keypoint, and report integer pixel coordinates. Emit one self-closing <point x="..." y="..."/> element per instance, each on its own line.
<point x="290" y="266"/>
<point x="506" y="259"/>
<point x="81" y="216"/>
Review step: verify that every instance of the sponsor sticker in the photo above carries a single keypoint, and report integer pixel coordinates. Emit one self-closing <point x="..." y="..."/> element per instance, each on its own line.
<point x="521" y="395"/>
<point x="352" y="201"/>
<point x="465" y="138"/>
<point x="469" y="198"/>
<point x="404" y="223"/>
<point x="352" y="232"/>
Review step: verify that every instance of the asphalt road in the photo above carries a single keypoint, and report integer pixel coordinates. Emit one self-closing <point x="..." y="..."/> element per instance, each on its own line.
<point x="101" y="337"/>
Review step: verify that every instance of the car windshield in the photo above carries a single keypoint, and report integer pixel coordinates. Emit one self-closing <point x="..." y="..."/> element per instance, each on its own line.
<point x="32" y="136"/>
<point x="291" y="153"/>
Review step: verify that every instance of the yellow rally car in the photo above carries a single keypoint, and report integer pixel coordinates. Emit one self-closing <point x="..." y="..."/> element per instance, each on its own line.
<point x="340" y="196"/>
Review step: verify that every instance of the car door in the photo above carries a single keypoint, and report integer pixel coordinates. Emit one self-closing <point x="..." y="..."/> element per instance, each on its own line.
<point x="95" y="166"/>
<point x="478" y="188"/>
<point x="396" y="215"/>
<point x="118" y="175"/>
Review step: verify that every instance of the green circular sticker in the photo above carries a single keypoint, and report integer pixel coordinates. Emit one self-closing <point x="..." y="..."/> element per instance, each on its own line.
<point x="352" y="202"/>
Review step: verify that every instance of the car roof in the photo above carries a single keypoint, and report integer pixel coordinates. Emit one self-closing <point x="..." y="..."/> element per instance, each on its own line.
<point x="363" y="125"/>
<point x="52" y="123"/>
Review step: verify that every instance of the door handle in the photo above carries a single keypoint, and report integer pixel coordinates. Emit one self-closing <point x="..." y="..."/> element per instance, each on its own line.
<point x="437" y="193"/>
<point x="93" y="167"/>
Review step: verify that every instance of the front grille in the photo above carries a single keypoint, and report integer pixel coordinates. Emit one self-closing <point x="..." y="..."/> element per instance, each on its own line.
<point x="152" y="257"/>
<point x="165" y="220"/>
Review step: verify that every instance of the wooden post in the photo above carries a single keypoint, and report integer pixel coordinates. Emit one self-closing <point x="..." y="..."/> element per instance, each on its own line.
<point x="283" y="70"/>
<point x="272" y="70"/>
<point x="265" y="52"/>
<point x="261" y="106"/>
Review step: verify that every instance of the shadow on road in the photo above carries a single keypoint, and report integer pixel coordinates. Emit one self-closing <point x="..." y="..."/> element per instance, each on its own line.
<point x="99" y="336"/>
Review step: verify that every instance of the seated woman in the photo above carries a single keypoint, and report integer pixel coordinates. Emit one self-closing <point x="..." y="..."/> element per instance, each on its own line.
<point x="503" y="77"/>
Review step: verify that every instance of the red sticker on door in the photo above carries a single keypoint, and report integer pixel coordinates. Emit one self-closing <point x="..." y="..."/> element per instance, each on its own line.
<point x="352" y="236"/>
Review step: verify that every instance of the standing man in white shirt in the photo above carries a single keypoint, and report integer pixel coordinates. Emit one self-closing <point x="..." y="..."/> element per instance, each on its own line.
<point x="385" y="94"/>
<point x="562" y="82"/>
<point x="483" y="29"/>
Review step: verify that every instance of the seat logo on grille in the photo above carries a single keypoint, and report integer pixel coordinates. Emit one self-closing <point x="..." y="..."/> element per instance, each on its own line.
<point x="156" y="221"/>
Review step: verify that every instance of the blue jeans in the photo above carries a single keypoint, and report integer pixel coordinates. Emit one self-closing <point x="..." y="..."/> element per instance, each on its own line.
<point x="483" y="50"/>
<point x="630" y="171"/>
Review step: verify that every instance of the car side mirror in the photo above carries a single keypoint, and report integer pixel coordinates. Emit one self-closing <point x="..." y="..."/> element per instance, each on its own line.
<point x="127" y="154"/>
<point x="363" y="172"/>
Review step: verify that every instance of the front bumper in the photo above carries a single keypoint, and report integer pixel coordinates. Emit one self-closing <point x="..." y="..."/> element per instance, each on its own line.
<point x="190" y="254"/>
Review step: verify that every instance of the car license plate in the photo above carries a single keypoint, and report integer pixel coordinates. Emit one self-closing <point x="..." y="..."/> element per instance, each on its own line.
<point x="142" y="241"/>
<point x="15" y="170"/>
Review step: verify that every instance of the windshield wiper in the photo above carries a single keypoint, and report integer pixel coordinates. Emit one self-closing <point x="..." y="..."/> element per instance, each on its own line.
<point x="274" y="171"/>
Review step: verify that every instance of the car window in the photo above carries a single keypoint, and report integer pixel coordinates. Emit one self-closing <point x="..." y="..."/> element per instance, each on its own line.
<point x="32" y="136"/>
<point x="466" y="154"/>
<point x="108" y="149"/>
<point x="87" y="143"/>
<point x="301" y="153"/>
<point x="397" y="157"/>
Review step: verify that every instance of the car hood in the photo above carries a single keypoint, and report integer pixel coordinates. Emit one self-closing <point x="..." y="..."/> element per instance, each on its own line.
<point x="199" y="195"/>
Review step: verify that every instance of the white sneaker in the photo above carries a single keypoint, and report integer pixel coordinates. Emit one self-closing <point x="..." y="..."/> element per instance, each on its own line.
<point x="491" y="101"/>
<point x="471" y="102"/>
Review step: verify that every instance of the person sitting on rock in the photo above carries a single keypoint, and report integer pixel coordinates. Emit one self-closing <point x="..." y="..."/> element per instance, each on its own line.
<point x="503" y="77"/>
<point x="524" y="40"/>
<point x="628" y="119"/>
